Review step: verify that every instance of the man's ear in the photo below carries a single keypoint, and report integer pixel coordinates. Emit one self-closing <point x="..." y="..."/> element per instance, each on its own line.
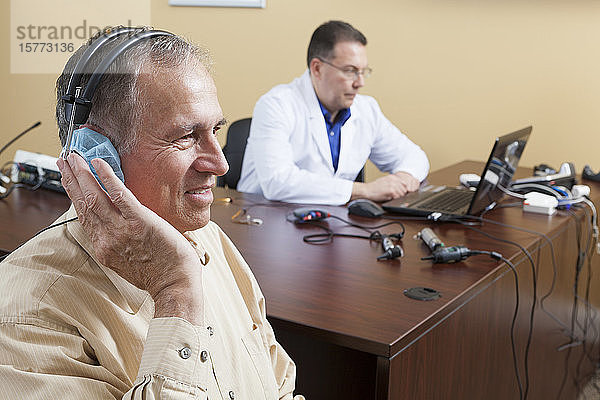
<point x="315" y="67"/>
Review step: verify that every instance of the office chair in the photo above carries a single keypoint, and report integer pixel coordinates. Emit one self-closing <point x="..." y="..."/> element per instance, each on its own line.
<point x="361" y="175"/>
<point x="235" y="146"/>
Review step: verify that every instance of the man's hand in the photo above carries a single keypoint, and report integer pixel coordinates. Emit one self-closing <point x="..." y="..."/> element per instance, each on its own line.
<point x="133" y="241"/>
<point x="385" y="188"/>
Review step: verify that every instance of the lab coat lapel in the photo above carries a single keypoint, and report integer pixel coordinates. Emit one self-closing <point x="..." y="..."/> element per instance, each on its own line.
<point x="316" y="122"/>
<point x="348" y="144"/>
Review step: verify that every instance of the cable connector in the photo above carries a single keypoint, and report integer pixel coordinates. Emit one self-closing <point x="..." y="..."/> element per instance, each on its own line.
<point x="445" y="255"/>
<point x="390" y="249"/>
<point x="434" y="216"/>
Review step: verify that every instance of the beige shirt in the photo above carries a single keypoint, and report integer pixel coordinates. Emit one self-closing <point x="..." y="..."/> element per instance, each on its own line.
<point x="72" y="328"/>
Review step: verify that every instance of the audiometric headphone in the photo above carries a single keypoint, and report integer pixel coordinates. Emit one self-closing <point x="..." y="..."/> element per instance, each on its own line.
<point x="78" y="101"/>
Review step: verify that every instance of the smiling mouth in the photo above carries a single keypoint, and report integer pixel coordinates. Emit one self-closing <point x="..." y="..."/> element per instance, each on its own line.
<point x="199" y="191"/>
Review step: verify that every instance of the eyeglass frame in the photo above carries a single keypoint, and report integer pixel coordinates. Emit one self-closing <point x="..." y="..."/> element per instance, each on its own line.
<point x="365" y="72"/>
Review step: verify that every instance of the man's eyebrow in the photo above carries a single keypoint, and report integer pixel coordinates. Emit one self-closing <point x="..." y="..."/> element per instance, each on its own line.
<point x="222" y="122"/>
<point x="193" y="127"/>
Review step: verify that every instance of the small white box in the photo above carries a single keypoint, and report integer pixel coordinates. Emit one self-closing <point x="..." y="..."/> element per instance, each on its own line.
<point x="540" y="203"/>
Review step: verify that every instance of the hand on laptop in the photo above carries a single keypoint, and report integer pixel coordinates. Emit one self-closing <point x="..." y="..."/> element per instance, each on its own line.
<point x="385" y="188"/>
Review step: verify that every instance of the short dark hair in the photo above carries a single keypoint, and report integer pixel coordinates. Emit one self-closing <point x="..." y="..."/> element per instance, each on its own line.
<point x="326" y="36"/>
<point x="117" y="105"/>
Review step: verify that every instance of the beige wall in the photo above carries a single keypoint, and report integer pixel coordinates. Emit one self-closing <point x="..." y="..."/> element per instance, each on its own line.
<point x="450" y="74"/>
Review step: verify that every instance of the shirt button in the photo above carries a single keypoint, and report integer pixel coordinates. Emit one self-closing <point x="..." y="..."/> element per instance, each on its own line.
<point x="211" y="331"/>
<point x="231" y="395"/>
<point x="185" y="353"/>
<point x="331" y="133"/>
<point x="204" y="356"/>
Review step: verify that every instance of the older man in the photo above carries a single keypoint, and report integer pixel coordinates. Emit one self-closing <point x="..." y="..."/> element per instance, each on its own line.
<point x="310" y="138"/>
<point x="143" y="296"/>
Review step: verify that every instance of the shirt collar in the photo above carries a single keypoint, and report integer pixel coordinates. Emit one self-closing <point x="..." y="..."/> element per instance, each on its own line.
<point x="341" y="117"/>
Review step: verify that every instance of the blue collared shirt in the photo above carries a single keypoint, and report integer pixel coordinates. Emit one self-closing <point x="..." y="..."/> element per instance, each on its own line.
<point x="334" y="131"/>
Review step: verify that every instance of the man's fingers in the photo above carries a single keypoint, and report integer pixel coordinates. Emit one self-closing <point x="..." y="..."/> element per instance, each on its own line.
<point x="92" y="203"/>
<point x="69" y="182"/>
<point x="120" y="196"/>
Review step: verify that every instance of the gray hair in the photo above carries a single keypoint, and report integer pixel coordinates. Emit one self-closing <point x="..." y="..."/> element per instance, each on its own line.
<point x="117" y="106"/>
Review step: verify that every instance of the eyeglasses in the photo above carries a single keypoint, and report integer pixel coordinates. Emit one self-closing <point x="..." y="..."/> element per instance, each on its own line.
<point x="351" y="73"/>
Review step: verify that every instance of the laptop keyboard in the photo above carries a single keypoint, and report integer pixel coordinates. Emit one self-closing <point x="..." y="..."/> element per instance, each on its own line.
<point x="449" y="201"/>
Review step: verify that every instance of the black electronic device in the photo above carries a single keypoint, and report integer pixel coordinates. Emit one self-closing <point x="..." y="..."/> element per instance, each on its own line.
<point x="34" y="175"/>
<point x="589" y="174"/>
<point x="543" y="170"/>
<point x="440" y="254"/>
<point x="309" y="214"/>
<point x="365" y="208"/>
<point x="564" y="177"/>
<point x="497" y="175"/>
<point x="77" y="100"/>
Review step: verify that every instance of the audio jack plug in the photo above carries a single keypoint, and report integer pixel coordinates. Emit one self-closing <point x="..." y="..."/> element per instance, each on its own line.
<point x="444" y="255"/>
<point x="440" y="254"/>
<point x="390" y="249"/>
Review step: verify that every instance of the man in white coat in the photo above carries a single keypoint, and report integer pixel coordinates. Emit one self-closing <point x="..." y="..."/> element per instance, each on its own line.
<point x="310" y="138"/>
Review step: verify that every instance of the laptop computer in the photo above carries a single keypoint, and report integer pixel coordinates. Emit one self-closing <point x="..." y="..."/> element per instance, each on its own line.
<point x="498" y="172"/>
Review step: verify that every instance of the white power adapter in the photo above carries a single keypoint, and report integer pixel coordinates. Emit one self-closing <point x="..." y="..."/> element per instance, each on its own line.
<point x="578" y="191"/>
<point x="540" y="203"/>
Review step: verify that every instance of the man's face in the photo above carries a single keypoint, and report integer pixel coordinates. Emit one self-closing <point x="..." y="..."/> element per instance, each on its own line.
<point x="173" y="167"/>
<point x="335" y="90"/>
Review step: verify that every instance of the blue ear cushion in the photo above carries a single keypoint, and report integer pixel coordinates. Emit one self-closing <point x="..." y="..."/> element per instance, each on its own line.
<point x="90" y="144"/>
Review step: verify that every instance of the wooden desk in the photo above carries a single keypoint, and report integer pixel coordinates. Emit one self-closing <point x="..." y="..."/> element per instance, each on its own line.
<point x="24" y="213"/>
<point x="344" y="319"/>
<point x="354" y="335"/>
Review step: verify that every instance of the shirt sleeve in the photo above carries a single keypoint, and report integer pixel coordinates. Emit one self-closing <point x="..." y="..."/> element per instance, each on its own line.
<point x="173" y="363"/>
<point x="38" y="360"/>
<point x="277" y="174"/>
<point x="393" y="151"/>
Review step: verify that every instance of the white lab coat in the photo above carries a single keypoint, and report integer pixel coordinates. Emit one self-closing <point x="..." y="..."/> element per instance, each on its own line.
<point x="288" y="157"/>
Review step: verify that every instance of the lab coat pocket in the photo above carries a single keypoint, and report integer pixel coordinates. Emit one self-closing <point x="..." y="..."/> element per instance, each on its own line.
<point x="260" y="358"/>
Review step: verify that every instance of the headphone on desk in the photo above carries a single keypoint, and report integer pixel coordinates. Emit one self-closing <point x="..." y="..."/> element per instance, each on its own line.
<point x="78" y="100"/>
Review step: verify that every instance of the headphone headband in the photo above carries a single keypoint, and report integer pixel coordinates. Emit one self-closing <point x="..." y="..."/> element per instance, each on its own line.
<point x="84" y="101"/>
<point x="78" y="105"/>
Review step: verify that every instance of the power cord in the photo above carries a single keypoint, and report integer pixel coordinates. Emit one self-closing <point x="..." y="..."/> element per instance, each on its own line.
<point x="4" y="180"/>
<point x="443" y="255"/>
<point x="313" y="217"/>
<point x="534" y="300"/>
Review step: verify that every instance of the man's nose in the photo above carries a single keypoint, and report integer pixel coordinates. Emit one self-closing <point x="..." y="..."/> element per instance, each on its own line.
<point x="359" y="81"/>
<point x="210" y="158"/>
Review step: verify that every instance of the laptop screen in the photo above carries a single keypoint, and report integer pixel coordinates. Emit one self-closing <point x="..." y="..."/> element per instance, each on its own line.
<point x="499" y="169"/>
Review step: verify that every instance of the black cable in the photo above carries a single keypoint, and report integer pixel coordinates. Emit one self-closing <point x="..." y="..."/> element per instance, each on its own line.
<point x="22" y="186"/>
<point x="582" y="256"/>
<point x="554" y="266"/>
<point x="586" y="258"/>
<point x="40" y="231"/>
<point x="569" y="346"/>
<point x="534" y="300"/>
<point x="498" y="256"/>
<point x="327" y="237"/>
<point x="19" y="135"/>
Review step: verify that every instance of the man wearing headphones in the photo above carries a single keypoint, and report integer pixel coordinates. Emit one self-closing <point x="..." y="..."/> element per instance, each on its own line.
<point x="141" y="295"/>
<point x="310" y="138"/>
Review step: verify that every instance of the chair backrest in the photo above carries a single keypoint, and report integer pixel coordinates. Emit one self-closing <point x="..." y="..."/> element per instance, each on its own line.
<point x="361" y="175"/>
<point x="235" y="146"/>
